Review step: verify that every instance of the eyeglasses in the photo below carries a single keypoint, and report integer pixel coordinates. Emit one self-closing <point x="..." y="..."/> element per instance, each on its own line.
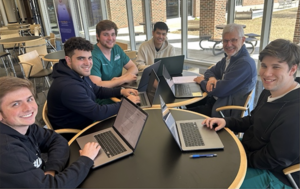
<point x="233" y="41"/>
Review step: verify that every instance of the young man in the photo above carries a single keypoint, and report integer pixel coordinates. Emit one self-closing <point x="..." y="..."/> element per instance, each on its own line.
<point x="22" y="142"/>
<point x="72" y="95"/>
<point x="157" y="47"/>
<point x="271" y="133"/>
<point x="229" y="81"/>
<point x="109" y="59"/>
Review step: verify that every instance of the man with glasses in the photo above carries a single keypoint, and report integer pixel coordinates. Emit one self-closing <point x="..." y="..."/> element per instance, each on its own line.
<point x="229" y="81"/>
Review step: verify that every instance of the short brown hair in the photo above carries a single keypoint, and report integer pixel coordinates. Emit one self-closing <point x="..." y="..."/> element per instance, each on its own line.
<point x="10" y="84"/>
<point x="106" y="25"/>
<point x="284" y="50"/>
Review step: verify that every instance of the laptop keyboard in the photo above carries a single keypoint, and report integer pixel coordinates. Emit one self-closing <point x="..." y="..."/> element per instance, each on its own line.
<point x="191" y="134"/>
<point x="109" y="143"/>
<point x="182" y="90"/>
<point x="143" y="100"/>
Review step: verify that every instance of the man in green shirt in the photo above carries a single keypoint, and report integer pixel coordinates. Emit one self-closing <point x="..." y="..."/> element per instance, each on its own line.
<point x="109" y="59"/>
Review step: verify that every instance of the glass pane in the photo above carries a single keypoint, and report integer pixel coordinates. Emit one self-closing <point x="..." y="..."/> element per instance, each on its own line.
<point x="94" y="17"/>
<point x="52" y="17"/>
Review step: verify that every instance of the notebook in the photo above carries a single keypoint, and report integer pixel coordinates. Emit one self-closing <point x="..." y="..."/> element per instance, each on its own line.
<point x="190" y="134"/>
<point x="174" y="64"/>
<point x="121" y="139"/>
<point x="182" y="90"/>
<point x="147" y="98"/>
<point x="142" y="82"/>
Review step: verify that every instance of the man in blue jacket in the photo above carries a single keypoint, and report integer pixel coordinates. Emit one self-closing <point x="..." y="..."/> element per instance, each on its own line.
<point x="271" y="133"/>
<point x="22" y="142"/>
<point x="229" y="81"/>
<point x="72" y="95"/>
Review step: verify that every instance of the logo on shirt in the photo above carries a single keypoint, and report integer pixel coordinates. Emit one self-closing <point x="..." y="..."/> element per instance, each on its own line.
<point x="117" y="57"/>
<point x="37" y="163"/>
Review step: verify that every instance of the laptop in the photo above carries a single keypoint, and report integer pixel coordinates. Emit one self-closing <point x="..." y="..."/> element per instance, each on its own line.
<point x="147" y="97"/>
<point x="190" y="134"/>
<point x="174" y="64"/>
<point x="142" y="82"/>
<point x="121" y="139"/>
<point x="182" y="90"/>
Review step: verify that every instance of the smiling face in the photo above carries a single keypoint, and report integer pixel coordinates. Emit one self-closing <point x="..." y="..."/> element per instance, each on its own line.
<point x="81" y="62"/>
<point x="18" y="109"/>
<point x="107" y="38"/>
<point x="276" y="75"/>
<point x="232" y="43"/>
<point x="159" y="36"/>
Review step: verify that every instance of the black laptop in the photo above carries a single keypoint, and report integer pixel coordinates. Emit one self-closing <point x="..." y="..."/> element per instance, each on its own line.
<point x="174" y="64"/>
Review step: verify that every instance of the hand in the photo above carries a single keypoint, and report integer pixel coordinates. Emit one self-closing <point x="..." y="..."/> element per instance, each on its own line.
<point x="127" y="92"/>
<point x="211" y="122"/>
<point x="211" y="84"/>
<point x="90" y="150"/>
<point x="129" y="77"/>
<point x="134" y="99"/>
<point x="52" y="173"/>
<point x="199" y="79"/>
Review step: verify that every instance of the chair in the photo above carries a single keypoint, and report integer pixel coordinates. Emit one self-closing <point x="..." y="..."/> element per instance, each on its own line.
<point x="281" y="3"/>
<point x="51" y="40"/>
<point x="32" y="29"/>
<point x="288" y="171"/>
<point x="59" y="131"/>
<point x="39" y="45"/>
<point x="32" y="67"/>
<point x="242" y="108"/>
<point x="12" y="34"/>
<point x="123" y="46"/>
<point x="2" y="56"/>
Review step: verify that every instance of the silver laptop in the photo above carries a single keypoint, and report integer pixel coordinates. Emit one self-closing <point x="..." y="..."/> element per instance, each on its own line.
<point x="147" y="98"/>
<point x="174" y="64"/>
<point x="190" y="134"/>
<point x="142" y="81"/>
<point x="121" y="139"/>
<point x="182" y="90"/>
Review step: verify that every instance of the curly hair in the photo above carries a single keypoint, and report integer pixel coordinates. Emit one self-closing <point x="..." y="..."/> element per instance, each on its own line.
<point x="106" y="25"/>
<point x="77" y="43"/>
<point x="10" y="84"/>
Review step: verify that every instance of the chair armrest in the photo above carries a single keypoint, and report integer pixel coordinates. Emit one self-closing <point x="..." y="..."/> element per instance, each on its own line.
<point x="26" y="63"/>
<point x="230" y="108"/>
<point x="291" y="169"/>
<point x="60" y="131"/>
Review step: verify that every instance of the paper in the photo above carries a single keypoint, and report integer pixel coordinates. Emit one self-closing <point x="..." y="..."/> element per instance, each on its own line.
<point x="184" y="79"/>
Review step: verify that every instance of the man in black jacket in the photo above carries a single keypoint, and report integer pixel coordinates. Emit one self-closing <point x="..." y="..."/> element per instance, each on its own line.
<point x="271" y="133"/>
<point x="22" y="142"/>
<point x="72" y="95"/>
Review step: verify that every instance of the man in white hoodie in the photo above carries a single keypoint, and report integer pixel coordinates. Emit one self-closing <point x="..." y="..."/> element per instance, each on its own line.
<point x="156" y="47"/>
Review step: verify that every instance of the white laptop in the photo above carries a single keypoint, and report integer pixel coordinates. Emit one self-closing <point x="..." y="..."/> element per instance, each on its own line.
<point x="121" y="139"/>
<point x="190" y="134"/>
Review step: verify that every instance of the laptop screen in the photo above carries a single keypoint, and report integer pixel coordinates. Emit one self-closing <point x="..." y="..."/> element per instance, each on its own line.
<point x="169" y="120"/>
<point x="168" y="78"/>
<point x="152" y="86"/>
<point x="130" y="122"/>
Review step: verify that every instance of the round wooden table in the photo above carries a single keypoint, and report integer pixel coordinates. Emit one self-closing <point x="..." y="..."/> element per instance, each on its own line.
<point x="54" y="56"/>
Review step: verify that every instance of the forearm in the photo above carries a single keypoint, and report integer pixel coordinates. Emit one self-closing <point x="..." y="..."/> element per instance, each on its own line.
<point x="112" y="83"/>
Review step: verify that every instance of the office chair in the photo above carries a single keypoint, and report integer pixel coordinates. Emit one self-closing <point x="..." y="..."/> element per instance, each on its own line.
<point x="288" y="171"/>
<point x="59" y="131"/>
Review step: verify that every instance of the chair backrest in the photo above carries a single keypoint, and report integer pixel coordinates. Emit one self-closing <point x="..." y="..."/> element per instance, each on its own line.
<point x="11" y="35"/>
<point x="131" y="54"/>
<point x="8" y="32"/>
<point x="39" y="45"/>
<point x="32" y="58"/>
<point x="52" y="40"/>
<point x="247" y="104"/>
<point x="32" y="27"/>
<point x="45" y="116"/>
<point x="123" y="46"/>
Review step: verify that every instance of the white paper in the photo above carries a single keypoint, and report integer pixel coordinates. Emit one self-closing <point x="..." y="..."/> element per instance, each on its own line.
<point x="184" y="79"/>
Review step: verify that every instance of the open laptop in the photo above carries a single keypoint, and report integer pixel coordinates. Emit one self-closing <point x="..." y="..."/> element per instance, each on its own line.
<point x="174" y="64"/>
<point x="147" y="98"/>
<point x="190" y="134"/>
<point x="121" y="139"/>
<point x="182" y="90"/>
<point x="142" y="82"/>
